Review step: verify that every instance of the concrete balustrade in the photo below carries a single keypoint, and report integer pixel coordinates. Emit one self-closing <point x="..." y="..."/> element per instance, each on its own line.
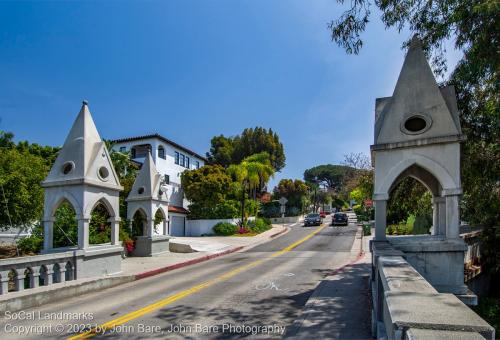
<point x="19" y="273"/>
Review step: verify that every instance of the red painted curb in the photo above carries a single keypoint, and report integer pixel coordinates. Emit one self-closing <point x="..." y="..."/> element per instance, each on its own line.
<point x="184" y="264"/>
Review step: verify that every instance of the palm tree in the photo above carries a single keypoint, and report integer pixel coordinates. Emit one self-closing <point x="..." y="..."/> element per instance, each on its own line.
<point x="251" y="173"/>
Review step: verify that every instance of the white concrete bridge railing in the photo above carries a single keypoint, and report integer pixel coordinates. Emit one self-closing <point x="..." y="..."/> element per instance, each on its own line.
<point x="407" y="306"/>
<point x="17" y="274"/>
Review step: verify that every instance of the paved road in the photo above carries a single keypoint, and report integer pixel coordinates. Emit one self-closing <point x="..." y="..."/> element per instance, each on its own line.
<point x="229" y="297"/>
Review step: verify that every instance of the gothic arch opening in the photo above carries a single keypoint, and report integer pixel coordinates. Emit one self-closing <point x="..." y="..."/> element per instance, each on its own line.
<point x="410" y="204"/>
<point x="139" y="223"/>
<point x="100" y="226"/>
<point x="160" y="221"/>
<point x="65" y="225"/>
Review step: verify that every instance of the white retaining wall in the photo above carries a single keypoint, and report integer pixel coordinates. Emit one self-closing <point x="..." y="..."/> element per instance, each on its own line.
<point x="200" y="227"/>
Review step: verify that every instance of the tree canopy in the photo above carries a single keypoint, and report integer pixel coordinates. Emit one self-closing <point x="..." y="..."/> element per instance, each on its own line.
<point x="221" y="151"/>
<point x="295" y="191"/>
<point x="23" y="166"/>
<point x="209" y="184"/>
<point x="331" y="176"/>
<point x="473" y="25"/>
<point x="21" y="195"/>
<point x="233" y="150"/>
<point x="251" y="173"/>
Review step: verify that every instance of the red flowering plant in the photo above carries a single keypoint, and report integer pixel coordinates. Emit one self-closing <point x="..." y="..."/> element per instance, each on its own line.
<point x="129" y="245"/>
<point x="243" y="230"/>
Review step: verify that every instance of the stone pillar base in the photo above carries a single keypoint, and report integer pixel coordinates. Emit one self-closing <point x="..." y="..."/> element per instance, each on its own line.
<point x="151" y="245"/>
<point x="439" y="260"/>
<point x="98" y="261"/>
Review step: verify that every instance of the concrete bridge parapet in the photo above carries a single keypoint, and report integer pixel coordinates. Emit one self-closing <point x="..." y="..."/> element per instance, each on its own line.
<point x="407" y="306"/>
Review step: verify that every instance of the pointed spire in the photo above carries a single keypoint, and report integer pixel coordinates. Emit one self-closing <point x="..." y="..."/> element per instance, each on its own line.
<point x="147" y="183"/>
<point x="83" y="154"/>
<point x="416" y="93"/>
<point x="415" y="42"/>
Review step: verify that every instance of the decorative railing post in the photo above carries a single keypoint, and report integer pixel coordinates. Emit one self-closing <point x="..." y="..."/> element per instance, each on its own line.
<point x="49" y="274"/>
<point x="35" y="277"/>
<point x="20" y="275"/>
<point x="4" y="280"/>
<point x="62" y="272"/>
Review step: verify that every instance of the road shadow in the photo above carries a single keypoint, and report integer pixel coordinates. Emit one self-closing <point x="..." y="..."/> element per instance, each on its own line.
<point x="341" y="307"/>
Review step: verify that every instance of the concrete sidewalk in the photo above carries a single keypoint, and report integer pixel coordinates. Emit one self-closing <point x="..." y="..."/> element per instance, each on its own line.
<point x="339" y="307"/>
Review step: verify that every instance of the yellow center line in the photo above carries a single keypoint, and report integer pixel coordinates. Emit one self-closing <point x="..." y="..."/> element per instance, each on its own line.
<point x="182" y="294"/>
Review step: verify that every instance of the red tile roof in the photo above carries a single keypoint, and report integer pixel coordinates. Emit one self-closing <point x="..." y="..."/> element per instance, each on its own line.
<point x="179" y="210"/>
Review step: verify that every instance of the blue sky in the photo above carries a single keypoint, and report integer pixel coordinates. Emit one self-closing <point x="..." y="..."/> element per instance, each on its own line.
<point x="190" y="70"/>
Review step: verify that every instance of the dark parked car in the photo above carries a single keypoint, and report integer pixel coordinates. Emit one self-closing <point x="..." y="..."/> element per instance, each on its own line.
<point x="312" y="219"/>
<point x="340" y="219"/>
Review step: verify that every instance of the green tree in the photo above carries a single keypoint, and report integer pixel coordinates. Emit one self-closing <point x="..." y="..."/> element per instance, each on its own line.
<point x="21" y="195"/>
<point x="329" y="175"/>
<point x="65" y="226"/>
<point x="47" y="153"/>
<point x="258" y="140"/>
<point x="233" y="150"/>
<point x="209" y="190"/>
<point x="324" y="198"/>
<point x="99" y="227"/>
<point x="474" y="25"/>
<point x="23" y="167"/>
<point x="6" y="140"/>
<point x="407" y="198"/>
<point x="295" y="191"/>
<point x="221" y="151"/>
<point x="357" y="195"/>
<point x="250" y="174"/>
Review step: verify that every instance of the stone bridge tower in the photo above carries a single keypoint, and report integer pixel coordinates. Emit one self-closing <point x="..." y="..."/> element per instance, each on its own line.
<point x="418" y="134"/>
<point x="148" y="198"/>
<point x="83" y="175"/>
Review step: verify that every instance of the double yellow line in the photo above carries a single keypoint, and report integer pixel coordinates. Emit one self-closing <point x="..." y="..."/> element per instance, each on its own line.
<point x="182" y="294"/>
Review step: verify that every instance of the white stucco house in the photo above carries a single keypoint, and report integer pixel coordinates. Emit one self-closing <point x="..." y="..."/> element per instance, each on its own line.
<point x="171" y="159"/>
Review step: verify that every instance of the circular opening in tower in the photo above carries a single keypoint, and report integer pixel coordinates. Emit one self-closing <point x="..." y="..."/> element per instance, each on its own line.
<point x="67" y="167"/>
<point x="103" y="173"/>
<point x="141" y="190"/>
<point x="416" y="124"/>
